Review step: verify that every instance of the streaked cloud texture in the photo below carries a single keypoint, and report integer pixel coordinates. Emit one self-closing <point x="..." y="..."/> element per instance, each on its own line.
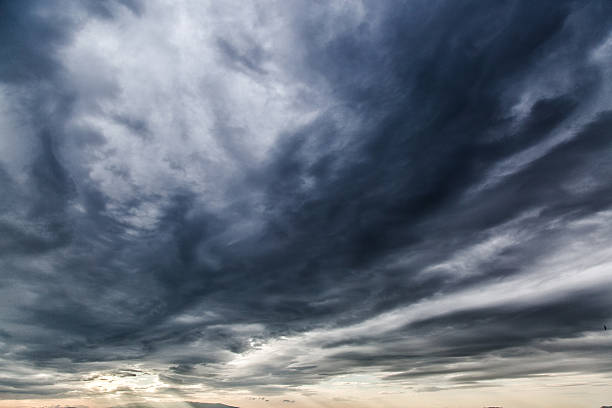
<point x="305" y="203"/>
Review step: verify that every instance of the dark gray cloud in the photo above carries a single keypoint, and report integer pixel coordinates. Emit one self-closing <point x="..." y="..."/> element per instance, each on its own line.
<point x="414" y="189"/>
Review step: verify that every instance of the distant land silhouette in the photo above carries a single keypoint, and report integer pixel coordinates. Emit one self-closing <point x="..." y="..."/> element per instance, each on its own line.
<point x="173" y="404"/>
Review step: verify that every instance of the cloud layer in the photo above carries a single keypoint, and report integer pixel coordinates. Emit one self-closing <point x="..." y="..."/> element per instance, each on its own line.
<point x="266" y="196"/>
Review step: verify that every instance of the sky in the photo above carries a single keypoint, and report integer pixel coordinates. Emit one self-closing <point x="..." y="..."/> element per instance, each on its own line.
<point x="305" y="204"/>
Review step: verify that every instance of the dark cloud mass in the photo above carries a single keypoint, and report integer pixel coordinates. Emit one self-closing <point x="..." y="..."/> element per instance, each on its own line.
<point x="268" y="196"/>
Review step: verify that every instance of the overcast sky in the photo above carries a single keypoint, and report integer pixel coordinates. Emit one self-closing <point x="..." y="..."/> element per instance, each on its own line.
<point x="340" y="204"/>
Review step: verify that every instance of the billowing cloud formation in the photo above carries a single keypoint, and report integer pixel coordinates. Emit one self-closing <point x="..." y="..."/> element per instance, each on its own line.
<point x="265" y="196"/>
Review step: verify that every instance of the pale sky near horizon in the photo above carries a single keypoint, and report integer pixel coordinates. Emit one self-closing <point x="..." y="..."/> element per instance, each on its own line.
<point x="305" y="204"/>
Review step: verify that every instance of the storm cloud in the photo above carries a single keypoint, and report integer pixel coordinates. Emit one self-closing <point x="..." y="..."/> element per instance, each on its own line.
<point x="266" y="196"/>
